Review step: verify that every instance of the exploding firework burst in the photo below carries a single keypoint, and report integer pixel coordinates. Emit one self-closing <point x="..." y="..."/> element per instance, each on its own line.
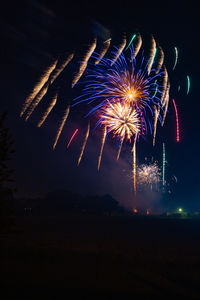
<point x="127" y="93"/>
<point x="148" y="175"/>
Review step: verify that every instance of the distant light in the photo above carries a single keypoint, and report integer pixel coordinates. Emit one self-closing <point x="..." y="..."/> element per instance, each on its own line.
<point x="135" y="210"/>
<point x="180" y="210"/>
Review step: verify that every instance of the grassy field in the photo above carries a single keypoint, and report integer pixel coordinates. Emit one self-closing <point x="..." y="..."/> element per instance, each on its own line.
<point x="101" y="257"/>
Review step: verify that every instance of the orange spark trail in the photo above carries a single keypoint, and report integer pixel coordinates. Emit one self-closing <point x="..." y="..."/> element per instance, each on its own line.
<point x="103" y="52"/>
<point x="48" y="110"/>
<point x="61" y="126"/>
<point x="137" y="46"/>
<point x="102" y="145"/>
<point x="166" y="103"/>
<point x="161" y="60"/>
<point x="152" y="54"/>
<point x="120" y="49"/>
<point x="44" y="90"/>
<point x="83" y="65"/>
<point x="84" y="143"/>
<point x="38" y="87"/>
<point x="120" y="148"/>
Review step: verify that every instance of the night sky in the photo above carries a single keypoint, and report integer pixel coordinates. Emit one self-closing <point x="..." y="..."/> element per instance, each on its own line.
<point x="34" y="32"/>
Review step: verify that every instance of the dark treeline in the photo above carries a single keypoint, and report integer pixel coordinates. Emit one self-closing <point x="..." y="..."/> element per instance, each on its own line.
<point x="64" y="201"/>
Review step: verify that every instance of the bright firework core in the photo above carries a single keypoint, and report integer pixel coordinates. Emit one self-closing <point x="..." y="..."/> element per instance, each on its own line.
<point x="120" y="119"/>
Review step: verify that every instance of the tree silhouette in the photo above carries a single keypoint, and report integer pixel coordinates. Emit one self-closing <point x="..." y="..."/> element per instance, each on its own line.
<point x="6" y="173"/>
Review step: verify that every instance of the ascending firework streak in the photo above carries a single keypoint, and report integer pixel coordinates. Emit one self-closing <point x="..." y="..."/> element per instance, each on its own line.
<point x="134" y="165"/>
<point x="102" y="145"/>
<point x="73" y="135"/>
<point x="152" y="54"/>
<point x="103" y="52"/>
<point x="44" y="90"/>
<point x="177" y="122"/>
<point x="156" y="114"/>
<point x="84" y="143"/>
<point x="84" y="63"/>
<point x="48" y="110"/>
<point x="188" y="84"/>
<point x="176" y="57"/>
<point x="161" y="60"/>
<point x="164" y="161"/>
<point x="120" y="49"/>
<point x="38" y="87"/>
<point x="61" y="126"/>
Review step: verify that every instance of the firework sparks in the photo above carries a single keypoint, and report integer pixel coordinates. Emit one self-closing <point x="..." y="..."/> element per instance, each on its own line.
<point x="84" y="143"/>
<point x="72" y="137"/>
<point x="84" y="63"/>
<point x="44" y="90"/>
<point x="188" y="84"/>
<point x="103" y="52"/>
<point x="148" y="175"/>
<point x="38" y="87"/>
<point x="120" y="119"/>
<point x="152" y="54"/>
<point x="102" y="146"/>
<point x="120" y="49"/>
<point x="131" y="41"/>
<point x="176" y="57"/>
<point x="137" y="46"/>
<point x="156" y="115"/>
<point x="164" y="162"/>
<point x="177" y="122"/>
<point x="61" y="126"/>
<point x="134" y="166"/>
<point x="161" y="59"/>
<point x="48" y="110"/>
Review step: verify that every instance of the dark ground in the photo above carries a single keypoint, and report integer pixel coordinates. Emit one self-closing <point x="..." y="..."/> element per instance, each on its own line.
<point x="102" y="257"/>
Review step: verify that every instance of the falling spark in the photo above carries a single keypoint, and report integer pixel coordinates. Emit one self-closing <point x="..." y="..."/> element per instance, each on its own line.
<point x="131" y="41"/>
<point x="61" y="126"/>
<point x="188" y="84"/>
<point x="157" y="112"/>
<point x="176" y="57"/>
<point x="137" y="46"/>
<point x="104" y="50"/>
<point x="84" y="143"/>
<point x="120" y="148"/>
<point x="177" y="122"/>
<point x="166" y="103"/>
<point x="84" y="63"/>
<point x="102" y="145"/>
<point x="161" y="60"/>
<point x="152" y="54"/>
<point x="48" y="110"/>
<point x="44" y="90"/>
<point x="73" y="135"/>
<point x="179" y="88"/>
<point x="38" y="87"/>
<point x="120" y="49"/>
<point x="164" y="161"/>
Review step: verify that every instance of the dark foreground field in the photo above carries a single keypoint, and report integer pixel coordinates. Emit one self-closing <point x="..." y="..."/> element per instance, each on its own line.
<point x="102" y="257"/>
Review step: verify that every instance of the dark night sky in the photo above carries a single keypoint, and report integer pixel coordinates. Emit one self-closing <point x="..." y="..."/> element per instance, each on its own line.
<point x="32" y="32"/>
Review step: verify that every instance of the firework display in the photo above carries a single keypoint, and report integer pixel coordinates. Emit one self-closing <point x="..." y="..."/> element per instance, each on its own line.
<point x="126" y="94"/>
